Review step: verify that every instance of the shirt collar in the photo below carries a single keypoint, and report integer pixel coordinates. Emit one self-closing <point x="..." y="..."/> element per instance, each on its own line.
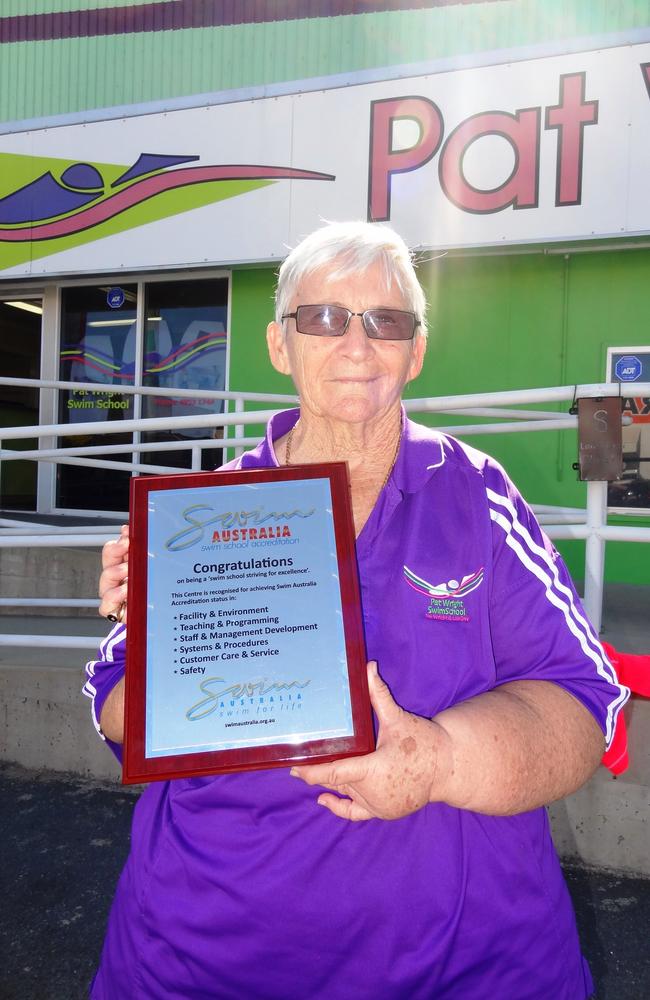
<point x="279" y="425"/>
<point x="421" y="450"/>
<point x="421" y="453"/>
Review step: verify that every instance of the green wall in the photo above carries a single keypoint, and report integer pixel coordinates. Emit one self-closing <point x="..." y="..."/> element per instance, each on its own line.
<point x="60" y="76"/>
<point x="537" y="320"/>
<point x="252" y="309"/>
<point x="502" y="322"/>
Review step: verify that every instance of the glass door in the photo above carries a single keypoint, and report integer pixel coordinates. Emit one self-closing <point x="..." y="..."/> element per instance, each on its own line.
<point x="164" y="335"/>
<point x="20" y="357"/>
<point x="98" y="345"/>
<point x="184" y="348"/>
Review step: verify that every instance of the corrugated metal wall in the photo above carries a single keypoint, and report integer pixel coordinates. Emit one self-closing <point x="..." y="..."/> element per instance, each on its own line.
<point x="14" y="8"/>
<point x="61" y="75"/>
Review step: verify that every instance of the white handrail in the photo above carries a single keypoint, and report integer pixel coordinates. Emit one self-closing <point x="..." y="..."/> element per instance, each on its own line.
<point x="560" y="523"/>
<point x="39" y="454"/>
<point x="514" y="397"/>
<point x="129" y="426"/>
<point x="559" y="424"/>
<point x="108" y="388"/>
<point x="12" y="526"/>
<point x="51" y="641"/>
<point x="49" y="602"/>
<point x="54" y="541"/>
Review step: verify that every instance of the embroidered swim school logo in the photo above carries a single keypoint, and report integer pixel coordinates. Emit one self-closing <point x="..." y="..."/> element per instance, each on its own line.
<point x="446" y="600"/>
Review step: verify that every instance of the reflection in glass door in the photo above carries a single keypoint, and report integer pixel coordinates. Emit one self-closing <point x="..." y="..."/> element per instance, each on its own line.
<point x="182" y="346"/>
<point x="185" y="348"/>
<point x="20" y="357"/>
<point x="98" y="345"/>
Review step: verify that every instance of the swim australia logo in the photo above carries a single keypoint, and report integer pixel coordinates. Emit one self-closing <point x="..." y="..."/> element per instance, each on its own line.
<point x="446" y="600"/>
<point x="232" y="525"/>
<point x="66" y="203"/>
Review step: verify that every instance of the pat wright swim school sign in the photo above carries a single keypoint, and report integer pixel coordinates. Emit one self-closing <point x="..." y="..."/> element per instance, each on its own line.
<point x="539" y="150"/>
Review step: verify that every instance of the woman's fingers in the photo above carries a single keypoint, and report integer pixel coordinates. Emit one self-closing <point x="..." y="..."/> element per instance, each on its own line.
<point x="332" y="774"/>
<point x="113" y="602"/>
<point x="344" y="808"/>
<point x="112" y="577"/>
<point x="117" y="550"/>
<point x="113" y="580"/>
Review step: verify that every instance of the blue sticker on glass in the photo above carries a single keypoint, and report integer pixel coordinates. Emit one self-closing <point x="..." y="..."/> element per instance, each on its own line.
<point x="115" y="298"/>
<point x="628" y="368"/>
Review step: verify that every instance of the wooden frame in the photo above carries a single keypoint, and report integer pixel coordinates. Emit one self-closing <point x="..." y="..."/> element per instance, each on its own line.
<point x="143" y="622"/>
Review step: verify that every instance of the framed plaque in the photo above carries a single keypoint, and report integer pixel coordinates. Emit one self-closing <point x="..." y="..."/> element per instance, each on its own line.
<point x="245" y="644"/>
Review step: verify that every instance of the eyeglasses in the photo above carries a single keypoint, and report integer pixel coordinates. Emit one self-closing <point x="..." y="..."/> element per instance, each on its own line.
<point x="333" y="321"/>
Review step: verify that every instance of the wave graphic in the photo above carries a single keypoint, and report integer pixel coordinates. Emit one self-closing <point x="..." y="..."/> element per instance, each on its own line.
<point x="153" y="363"/>
<point x="149" y="187"/>
<point x="184" y="355"/>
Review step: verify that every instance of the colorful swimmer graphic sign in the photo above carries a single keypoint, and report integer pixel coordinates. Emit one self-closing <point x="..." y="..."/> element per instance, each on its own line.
<point x="66" y="205"/>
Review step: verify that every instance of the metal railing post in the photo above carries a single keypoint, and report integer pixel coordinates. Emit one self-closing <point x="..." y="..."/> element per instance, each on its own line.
<point x="595" y="552"/>
<point x="239" y="428"/>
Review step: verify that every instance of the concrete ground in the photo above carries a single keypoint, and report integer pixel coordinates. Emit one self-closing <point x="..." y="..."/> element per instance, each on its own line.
<point x="64" y="841"/>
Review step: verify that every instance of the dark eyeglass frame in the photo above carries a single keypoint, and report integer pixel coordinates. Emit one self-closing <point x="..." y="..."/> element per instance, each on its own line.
<point x="366" y="319"/>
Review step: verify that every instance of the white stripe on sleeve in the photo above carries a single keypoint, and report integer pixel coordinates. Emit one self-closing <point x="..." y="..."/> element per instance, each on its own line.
<point x="106" y="647"/>
<point x="519" y="539"/>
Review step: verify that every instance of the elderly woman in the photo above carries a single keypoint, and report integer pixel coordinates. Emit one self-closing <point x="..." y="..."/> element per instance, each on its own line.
<point x="490" y="690"/>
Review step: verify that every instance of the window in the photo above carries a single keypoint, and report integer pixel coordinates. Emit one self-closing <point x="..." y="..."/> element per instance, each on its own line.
<point x="97" y="346"/>
<point x="185" y="348"/>
<point x="182" y="345"/>
<point x="20" y="355"/>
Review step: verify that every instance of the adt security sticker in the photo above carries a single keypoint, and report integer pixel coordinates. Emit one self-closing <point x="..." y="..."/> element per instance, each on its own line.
<point x="115" y="298"/>
<point x="628" y="368"/>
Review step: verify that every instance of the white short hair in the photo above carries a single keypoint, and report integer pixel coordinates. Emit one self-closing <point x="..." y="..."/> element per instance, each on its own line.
<point x="346" y="248"/>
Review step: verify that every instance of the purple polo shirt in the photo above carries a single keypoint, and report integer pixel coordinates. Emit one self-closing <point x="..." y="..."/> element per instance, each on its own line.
<point x="240" y="886"/>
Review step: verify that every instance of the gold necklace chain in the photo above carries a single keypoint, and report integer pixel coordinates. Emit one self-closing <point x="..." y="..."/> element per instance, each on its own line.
<point x="287" y="456"/>
<point x="395" y="453"/>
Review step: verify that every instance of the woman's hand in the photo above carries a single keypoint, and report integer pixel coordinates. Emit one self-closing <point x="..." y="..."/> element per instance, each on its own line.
<point x="505" y="751"/>
<point x="113" y="581"/>
<point x="398" y="777"/>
